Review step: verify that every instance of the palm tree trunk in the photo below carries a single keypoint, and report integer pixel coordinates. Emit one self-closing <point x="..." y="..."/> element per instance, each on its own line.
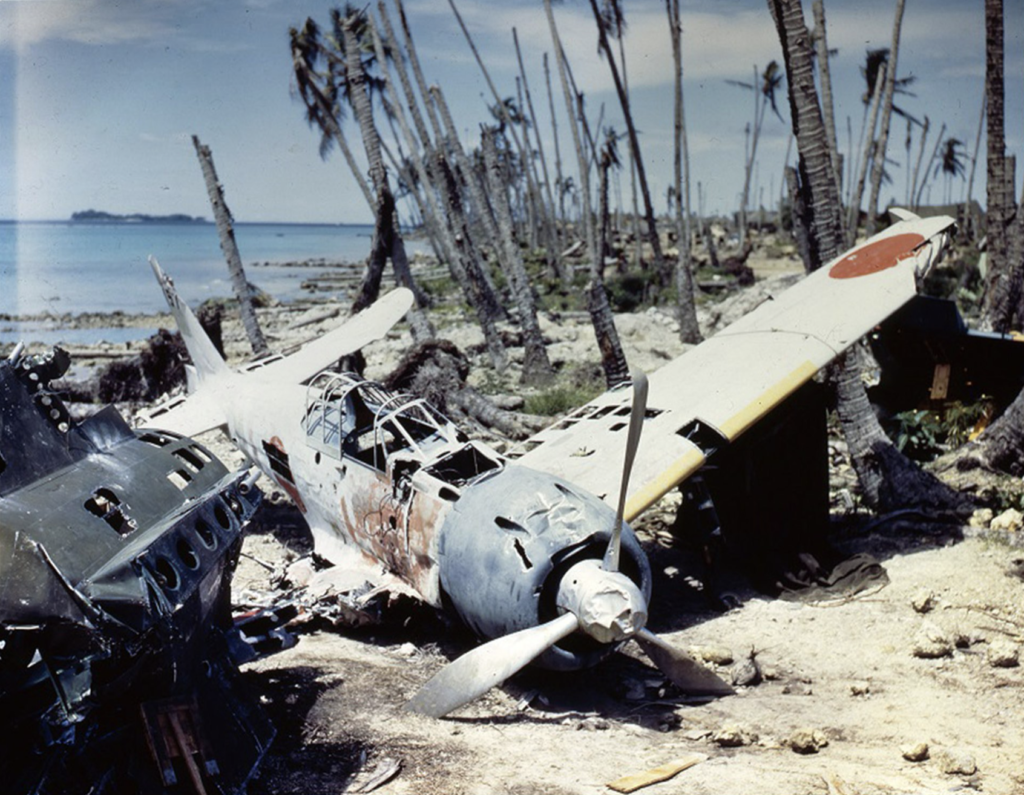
<point x="581" y="158"/>
<point x="550" y="222"/>
<point x="912" y="200"/>
<point x="387" y="241"/>
<point x="228" y="245"/>
<point x="853" y="221"/>
<point x="451" y="225"/>
<point x="760" y="104"/>
<point x="883" y="133"/>
<point x="824" y="70"/>
<point x="969" y="187"/>
<point x="815" y="165"/>
<point x="559" y="181"/>
<point x="634" y="143"/>
<point x="536" y="366"/>
<point x="998" y="208"/>
<point x="689" y="328"/>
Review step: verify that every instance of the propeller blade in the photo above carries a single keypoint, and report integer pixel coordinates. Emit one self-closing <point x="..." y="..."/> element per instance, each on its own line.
<point x="636" y="421"/>
<point x="477" y="671"/>
<point x="685" y="672"/>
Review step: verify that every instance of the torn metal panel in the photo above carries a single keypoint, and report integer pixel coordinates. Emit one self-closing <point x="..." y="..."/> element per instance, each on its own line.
<point x="116" y="552"/>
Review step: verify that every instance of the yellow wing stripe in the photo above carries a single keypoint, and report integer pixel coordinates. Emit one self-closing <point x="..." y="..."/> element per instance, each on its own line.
<point x="741" y="421"/>
<point x="733" y="427"/>
<point x="654" y="490"/>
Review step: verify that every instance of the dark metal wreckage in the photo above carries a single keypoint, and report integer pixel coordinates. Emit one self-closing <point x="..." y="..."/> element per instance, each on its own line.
<point x="116" y="553"/>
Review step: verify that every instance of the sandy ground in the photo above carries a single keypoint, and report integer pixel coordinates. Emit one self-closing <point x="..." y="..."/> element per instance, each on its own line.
<point x="843" y="673"/>
<point x="843" y="676"/>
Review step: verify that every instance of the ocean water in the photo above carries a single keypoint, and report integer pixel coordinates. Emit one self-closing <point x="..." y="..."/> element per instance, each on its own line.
<point x="60" y="268"/>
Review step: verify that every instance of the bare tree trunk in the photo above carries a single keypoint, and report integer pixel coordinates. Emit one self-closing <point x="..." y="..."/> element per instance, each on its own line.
<point x="689" y="328"/>
<point x="559" y="180"/>
<point x="853" y="221"/>
<point x="760" y="102"/>
<point x="228" y="245"/>
<point x="581" y="158"/>
<point x="969" y="188"/>
<point x="883" y="132"/>
<point x="912" y="201"/>
<point x="634" y="142"/>
<point x="550" y="222"/>
<point x="536" y="366"/>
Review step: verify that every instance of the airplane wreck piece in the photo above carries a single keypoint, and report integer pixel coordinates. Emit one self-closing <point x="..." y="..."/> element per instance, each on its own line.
<point x="116" y="552"/>
<point x="529" y="552"/>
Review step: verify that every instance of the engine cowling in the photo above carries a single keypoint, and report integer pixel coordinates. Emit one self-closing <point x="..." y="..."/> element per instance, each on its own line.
<point x="508" y="542"/>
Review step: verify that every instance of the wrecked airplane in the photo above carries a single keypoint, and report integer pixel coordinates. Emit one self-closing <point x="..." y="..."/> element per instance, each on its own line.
<point x="530" y="552"/>
<point x="116" y="554"/>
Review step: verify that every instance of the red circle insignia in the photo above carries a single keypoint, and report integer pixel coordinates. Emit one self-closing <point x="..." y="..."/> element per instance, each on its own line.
<point x="878" y="256"/>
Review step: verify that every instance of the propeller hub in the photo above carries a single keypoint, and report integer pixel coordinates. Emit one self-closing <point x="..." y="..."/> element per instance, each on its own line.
<point x="609" y="605"/>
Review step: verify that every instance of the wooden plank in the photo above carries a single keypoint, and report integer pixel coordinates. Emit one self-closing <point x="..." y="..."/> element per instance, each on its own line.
<point x="655" y="775"/>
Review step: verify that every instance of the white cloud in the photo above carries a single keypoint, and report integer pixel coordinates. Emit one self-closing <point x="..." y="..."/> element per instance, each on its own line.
<point x="94" y="22"/>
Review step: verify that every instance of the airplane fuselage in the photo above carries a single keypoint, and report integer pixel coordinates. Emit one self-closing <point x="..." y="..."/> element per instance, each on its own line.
<point x="389" y="476"/>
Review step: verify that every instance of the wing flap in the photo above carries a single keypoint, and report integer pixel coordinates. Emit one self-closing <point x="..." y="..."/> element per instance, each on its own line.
<point x="732" y="380"/>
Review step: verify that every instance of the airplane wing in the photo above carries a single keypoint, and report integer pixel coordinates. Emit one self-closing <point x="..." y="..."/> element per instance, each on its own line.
<point x="189" y="415"/>
<point x="369" y="325"/>
<point x="720" y="388"/>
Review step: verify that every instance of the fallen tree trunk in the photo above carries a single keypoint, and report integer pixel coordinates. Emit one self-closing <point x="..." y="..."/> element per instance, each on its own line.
<point x="436" y="370"/>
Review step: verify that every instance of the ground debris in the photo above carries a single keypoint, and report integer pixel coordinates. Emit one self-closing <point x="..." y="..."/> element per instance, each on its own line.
<point x="917" y="752"/>
<point x="655" y="775"/>
<point x="932" y="642"/>
<point x="956" y="762"/>
<point x="375" y="777"/>
<point x="734" y="735"/>
<point x="808" y="741"/>
<point x="1003" y="653"/>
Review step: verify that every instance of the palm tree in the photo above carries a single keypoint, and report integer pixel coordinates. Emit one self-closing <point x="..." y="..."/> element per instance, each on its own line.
<point x="450" y="226"/>
<point x="888" y="479"/>
<point x="689" y="328"/>
<point x="318" y="92"/>
<point x="864" y="159"/>
<point x="951" y="164"/>
<point x="764" y="87"/>
<point x="536" y="365"/>
<point x="823" y="53"/>
<point x="351" y="40"/>
<point x="883" y="134"/>
<point x="634" y="144"/>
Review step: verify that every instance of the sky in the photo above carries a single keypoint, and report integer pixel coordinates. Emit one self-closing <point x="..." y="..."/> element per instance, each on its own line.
<point x="99" y="98"/>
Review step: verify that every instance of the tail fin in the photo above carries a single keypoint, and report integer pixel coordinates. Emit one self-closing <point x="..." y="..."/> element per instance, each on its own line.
<point x="205" y="358"/>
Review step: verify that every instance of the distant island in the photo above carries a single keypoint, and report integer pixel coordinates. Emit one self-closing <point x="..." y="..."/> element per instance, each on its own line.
<point x="98" y="216"/>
